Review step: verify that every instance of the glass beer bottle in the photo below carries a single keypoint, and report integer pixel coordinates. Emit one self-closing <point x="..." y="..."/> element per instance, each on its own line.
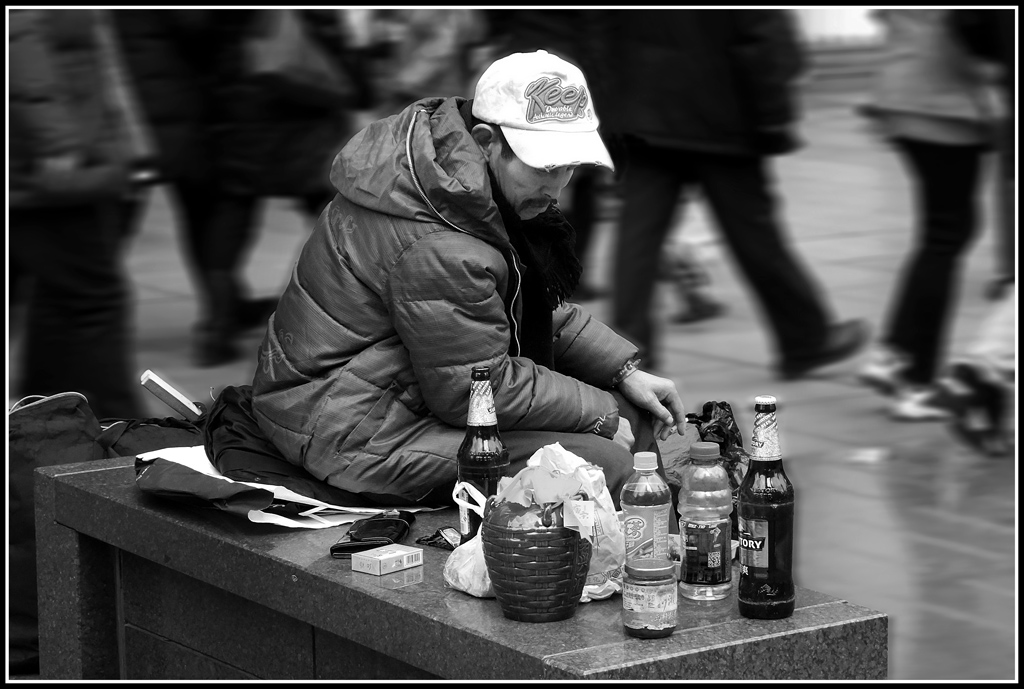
<point x="482" y="457"/>
<point x="766" y="590"/>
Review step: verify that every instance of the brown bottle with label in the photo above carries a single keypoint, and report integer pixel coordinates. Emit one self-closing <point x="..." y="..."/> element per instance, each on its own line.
<point x="482" y="457"/>
<point x="766" y="499"/>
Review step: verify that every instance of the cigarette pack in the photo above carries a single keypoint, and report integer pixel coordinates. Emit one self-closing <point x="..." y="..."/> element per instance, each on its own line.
<point x="387" y="559"/>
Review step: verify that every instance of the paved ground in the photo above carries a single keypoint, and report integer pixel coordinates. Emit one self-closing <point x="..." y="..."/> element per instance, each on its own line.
<point x="893" y="516"/>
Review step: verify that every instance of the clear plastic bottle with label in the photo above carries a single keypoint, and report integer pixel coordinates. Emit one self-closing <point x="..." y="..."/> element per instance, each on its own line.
<point x="646" y="508"/>
<point x="705" y="526"/>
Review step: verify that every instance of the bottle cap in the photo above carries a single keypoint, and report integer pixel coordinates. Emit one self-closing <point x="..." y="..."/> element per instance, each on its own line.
<point x="764" y="399"/>
<point x="645" y="460"/>
<point x="650" y="568"/>
<point x="704" y="449"/>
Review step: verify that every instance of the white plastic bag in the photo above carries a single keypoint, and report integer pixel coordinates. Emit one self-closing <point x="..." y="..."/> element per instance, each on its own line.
<point x="608" y="545"/>
<point x="465" y="569"/>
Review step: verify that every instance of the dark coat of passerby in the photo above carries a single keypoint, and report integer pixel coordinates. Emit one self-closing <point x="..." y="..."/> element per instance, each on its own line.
<point x="704" y="98"/>
<point x="71" y="198"/>
<point x="227" y="142"/>
<point x="930" y="100"/>
<point x="444" y="250"/>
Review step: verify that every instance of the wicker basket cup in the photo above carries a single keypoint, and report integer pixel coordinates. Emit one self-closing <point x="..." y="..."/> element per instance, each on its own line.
<point x="537" y="566"/>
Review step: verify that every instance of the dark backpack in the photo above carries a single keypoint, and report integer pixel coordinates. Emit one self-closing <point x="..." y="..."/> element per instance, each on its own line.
<point x="48" y="431"/>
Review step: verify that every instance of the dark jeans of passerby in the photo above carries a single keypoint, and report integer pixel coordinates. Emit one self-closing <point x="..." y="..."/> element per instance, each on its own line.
<point x="78" y="329"/>
<point x="219" y="231"/>
<point x="945" y="189"/>
<point x="739" y="192"/>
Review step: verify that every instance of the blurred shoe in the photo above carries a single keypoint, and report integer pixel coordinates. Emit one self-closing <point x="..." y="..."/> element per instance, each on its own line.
<point x="253" y="313"/>
<point x="883" y="370"/>
<point x="700" y="310"/>
<point x="843" y="341"/>
<point x="977" y="406"/>
<point x="914" y="403"/>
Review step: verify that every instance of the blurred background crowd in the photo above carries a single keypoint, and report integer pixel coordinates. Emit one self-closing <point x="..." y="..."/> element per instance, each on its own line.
<point x="110" y="108"/>
<point x="695" y="106"/>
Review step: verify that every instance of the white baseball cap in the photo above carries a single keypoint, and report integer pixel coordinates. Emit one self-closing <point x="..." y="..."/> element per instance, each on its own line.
<point x="544" y="108"/>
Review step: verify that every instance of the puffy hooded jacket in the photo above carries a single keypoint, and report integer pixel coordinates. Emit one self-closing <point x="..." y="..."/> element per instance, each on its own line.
<point x="407" y="281"/>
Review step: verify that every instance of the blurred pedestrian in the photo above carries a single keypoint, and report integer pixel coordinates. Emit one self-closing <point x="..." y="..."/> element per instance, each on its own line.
<point x="991" y="34"/>
<point x="977" y="386"/>
<point x="572" y="35"/>
<point x="930" y="101"/>
<point x="704" y="98"/>
<point x="228" y="141"/>
<point x="685" y="263"/>
<point x="425" y="53"/>
<point x="74" y="158"/>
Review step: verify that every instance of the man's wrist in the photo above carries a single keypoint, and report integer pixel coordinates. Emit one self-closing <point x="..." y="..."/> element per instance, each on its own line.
<point x="627" y="370"/>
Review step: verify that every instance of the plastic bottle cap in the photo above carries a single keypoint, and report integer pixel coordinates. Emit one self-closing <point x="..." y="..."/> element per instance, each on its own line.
<point x="650" y="568"/>
<point x="704" y="448"/>
<point x="645" y="460"/>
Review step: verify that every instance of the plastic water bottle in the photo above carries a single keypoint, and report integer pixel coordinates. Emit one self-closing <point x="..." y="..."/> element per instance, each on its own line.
<point x="705" y="527"/>
<point x="646" y="505"/>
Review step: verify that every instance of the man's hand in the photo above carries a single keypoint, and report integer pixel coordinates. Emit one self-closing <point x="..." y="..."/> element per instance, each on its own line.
<point x="660" y="397"/>
<point x="624" y="435"/>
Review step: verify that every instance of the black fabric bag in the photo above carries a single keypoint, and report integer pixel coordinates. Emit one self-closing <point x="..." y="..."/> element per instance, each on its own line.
<point x="240" y="451"/>
<point x="49" y="431"/>
<point x="43" y="431"/>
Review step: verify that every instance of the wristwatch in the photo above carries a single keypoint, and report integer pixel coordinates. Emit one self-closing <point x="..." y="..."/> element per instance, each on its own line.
<point x="627" y="368"/>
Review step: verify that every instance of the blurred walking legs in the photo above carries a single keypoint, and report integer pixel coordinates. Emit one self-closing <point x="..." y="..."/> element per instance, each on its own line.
<point x="738" y="190"/>
<point x="946" y="181"/>
<point x="78" y="320"/>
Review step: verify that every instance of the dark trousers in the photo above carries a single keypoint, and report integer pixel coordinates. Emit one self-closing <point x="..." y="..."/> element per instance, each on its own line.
<point x="218" y="230"/>
<point x="78" y="319"/>
<point x="945" y="188"/>
<point x="739" y="192"/>
<point x="584" y="208"/>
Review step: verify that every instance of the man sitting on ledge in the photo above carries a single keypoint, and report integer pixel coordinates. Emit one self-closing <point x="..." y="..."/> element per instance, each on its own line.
<point x="444" y="249"/>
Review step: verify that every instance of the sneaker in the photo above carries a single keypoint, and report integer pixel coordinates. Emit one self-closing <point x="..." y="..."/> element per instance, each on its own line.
<point x="883" y="370"/>
<point x="843" y="341"/>
<point x="918" y="404"/>
<point x="978" y="407"/>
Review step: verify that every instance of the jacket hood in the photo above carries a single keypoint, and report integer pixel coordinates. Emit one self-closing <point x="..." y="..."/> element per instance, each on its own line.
<point x="447" y="178"/>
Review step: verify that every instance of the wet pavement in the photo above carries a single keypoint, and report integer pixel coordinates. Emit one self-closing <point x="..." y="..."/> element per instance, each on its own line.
<point x="894" y="516"/>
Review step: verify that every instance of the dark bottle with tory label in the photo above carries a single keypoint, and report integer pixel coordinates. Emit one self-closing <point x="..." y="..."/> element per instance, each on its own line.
<point x="482" y="457"/>
<point x="766" y="590"/>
